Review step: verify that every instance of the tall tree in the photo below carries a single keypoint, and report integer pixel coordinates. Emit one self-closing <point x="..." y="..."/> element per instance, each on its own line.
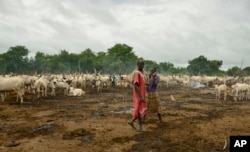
<point x="165" y="66"/>
<point x="121" y="58"/>
<point x="246" y="71"/>
<point x="101" y="62"/>
<point x="202" y="65"/>
<point x="3" y="64"/>
<point x="197" y="66"/>
<point x="234" y="71"/>
<point x="41" y="62"/>
<point x="214" y="67"/>
<point x="86" y="60"/>
<point x="16" y="59"/>
<point x="67" y="62"/>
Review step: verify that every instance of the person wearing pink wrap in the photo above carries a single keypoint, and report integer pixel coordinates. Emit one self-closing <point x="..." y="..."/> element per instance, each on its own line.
<point x="139" y="95"/>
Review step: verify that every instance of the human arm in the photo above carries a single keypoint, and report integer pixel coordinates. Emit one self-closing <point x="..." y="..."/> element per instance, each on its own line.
<point x="138" y="92"/>
<point x="154" y="80"/>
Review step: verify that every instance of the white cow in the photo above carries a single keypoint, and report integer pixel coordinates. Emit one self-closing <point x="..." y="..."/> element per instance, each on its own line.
<point x="76" y="92"/>
<point x="41" y="86"/>
<point x="167" y="80"/>
<point x="97" y="83"/>
<point x="29" y="82"/>
<point x="208" y="79"/>
<point x="80" y="81"/>
<point x="241" y="91"/>
<point x="16" y="84"/>
<point x="62" y="84"/>
<point x="183" y="80"/>
<point x="195" y="79"/>
<point x="123" y="84"/>
<point x="221" y="89"/>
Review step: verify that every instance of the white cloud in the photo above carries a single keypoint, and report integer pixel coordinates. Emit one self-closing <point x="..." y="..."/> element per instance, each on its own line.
<point x="161" y="30"/>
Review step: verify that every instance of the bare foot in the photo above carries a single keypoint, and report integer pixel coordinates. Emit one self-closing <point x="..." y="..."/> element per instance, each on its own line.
<point x="132" y="125"/>
<point x="142" y="129"/>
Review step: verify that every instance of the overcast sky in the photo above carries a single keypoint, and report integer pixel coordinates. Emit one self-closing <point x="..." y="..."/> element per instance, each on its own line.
<point x="173" y="31"/>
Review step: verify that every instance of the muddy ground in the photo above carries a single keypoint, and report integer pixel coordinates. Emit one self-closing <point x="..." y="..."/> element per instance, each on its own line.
<point x="98" y="123"/>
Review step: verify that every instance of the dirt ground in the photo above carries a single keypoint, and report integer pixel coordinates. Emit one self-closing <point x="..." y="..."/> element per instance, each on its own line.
<point x="98" y="123"/>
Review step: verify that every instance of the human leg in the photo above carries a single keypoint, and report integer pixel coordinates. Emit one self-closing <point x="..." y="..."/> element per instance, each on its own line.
<point x="140" y="121"/>
<point x="131" y="123"/>
<point x="159" y="116"/>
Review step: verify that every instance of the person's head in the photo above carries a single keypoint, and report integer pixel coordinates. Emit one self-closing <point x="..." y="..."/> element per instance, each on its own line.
<point x="152" y="70"/>
<point x="140" y="64"/>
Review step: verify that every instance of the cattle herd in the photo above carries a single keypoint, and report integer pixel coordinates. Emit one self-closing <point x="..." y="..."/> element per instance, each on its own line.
<point x="236" y="87"/>
<point x="75" y="84"/>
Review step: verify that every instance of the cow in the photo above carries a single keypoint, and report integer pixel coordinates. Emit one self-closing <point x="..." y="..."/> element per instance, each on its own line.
<point x="8" y="84"/>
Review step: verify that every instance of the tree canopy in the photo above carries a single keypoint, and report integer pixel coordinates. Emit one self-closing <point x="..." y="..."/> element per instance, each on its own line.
<point x="201" y="65"/>
<point x="119" y="59"/>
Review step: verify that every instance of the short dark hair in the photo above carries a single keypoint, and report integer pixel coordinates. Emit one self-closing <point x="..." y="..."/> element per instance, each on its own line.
<point x="140" y="60"/>
<point x="153" y="69"/>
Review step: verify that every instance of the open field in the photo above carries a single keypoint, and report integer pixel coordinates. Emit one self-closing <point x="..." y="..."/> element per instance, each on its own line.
<point x="98" y="123"/>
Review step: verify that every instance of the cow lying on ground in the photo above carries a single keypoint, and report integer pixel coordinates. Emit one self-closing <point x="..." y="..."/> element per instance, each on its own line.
<point x="76" y="92"/>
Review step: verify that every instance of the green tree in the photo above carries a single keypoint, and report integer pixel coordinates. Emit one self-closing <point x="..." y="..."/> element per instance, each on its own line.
<point x="67" y="62"/>
<point x="32" y="65"/>
<point x="86" y="60"/>
<point x="121" y="58"/>
<point x="74" y="62"/>
<point x="16" y="59"/>
<point x="3" y="64"/>
<point x="198" y="65"/>
<point x="150" y="64"/>
<point x="214" y="67"/>
<point x="41" y="62"/>
<point x="234" y="71"/>
<point x="118" y="59"/>
<point x="246" y="71"/>
<point x="101" y="61"/>
<point x="202" y="65"/>
<point x="165" y="66"/>
<point x="177" y="71"/>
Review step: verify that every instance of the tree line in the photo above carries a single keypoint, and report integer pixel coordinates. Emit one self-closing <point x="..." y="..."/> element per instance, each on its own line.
<point x="119" y="59"/>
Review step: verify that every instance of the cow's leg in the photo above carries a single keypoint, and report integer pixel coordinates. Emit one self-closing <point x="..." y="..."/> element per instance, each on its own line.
<point x="225" y="96"/>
